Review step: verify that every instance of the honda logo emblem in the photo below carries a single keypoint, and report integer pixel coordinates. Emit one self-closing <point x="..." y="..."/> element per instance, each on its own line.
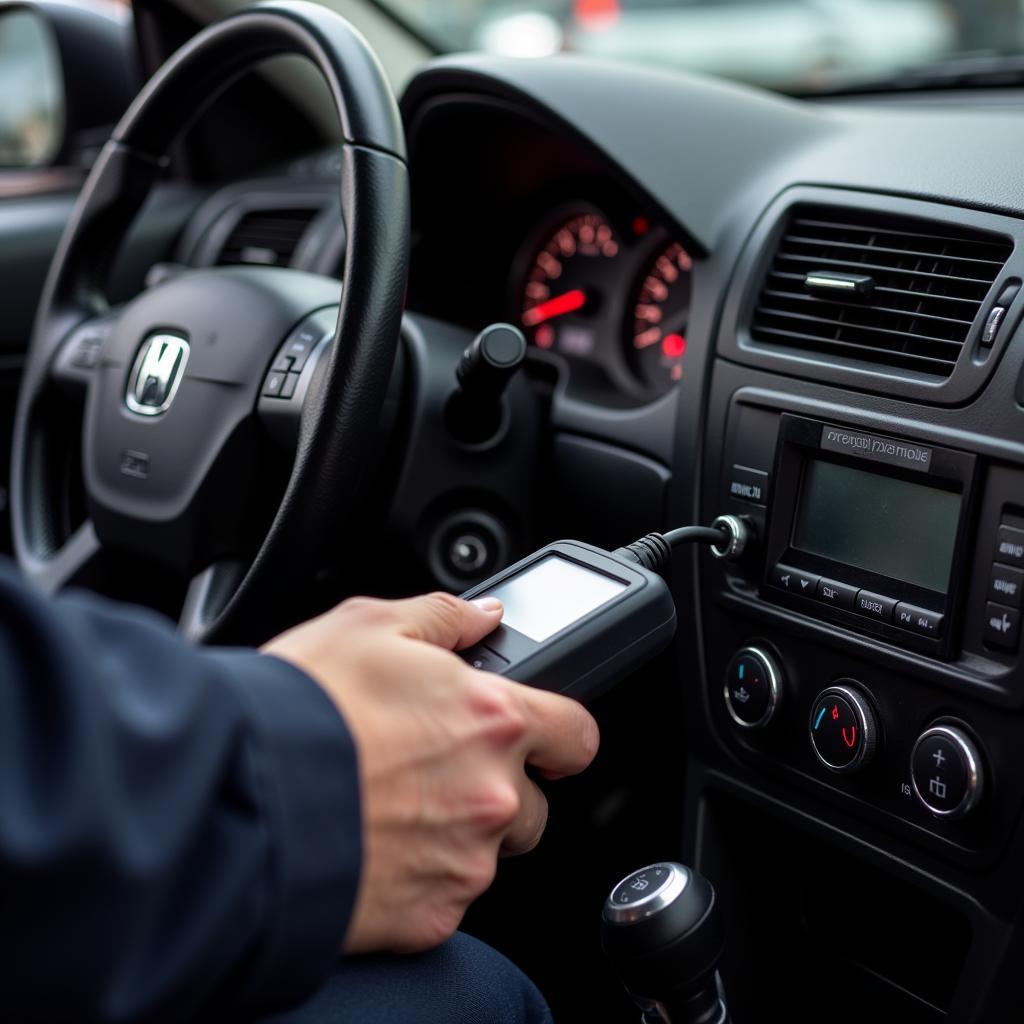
<point x="158" y="370"/>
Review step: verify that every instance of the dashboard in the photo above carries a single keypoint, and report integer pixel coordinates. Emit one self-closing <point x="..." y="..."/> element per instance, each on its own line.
<point x="850" y="382"/>
<point x="807" y="316"/>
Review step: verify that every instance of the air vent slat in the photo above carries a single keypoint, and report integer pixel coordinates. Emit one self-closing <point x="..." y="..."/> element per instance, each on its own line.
<point x="978" y="246"/>
<point x="882" y="250"/>
<point x="929" y="283"/>
<point x="916" y="296"/>
<point x="851" y="265"/>
<point x="884" y="357"/>
<point x="867" y="331"/>
<point x="854" y="307"/>
<point x="266" y="237"/>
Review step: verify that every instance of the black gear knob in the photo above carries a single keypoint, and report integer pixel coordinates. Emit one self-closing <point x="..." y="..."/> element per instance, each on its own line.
<point x="663" y="933"/>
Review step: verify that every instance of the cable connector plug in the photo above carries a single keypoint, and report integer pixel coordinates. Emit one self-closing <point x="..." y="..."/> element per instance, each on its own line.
<point x="654" y="552"/>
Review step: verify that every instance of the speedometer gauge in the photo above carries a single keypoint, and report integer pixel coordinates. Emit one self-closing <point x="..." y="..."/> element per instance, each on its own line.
<point x="659" y="318"/>
<point x="572" y="273"/>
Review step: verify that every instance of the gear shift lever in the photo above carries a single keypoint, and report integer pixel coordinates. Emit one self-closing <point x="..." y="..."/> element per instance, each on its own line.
<point x="662" y="930"/>
<point x="484" y="371"/>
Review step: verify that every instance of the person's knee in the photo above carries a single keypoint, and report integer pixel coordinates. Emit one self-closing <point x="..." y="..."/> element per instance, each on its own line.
<point x="463" y="981"/>
<point x="488" y="985"/>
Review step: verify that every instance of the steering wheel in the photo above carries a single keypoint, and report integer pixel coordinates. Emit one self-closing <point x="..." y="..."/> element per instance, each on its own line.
<point x="178" y="469"/>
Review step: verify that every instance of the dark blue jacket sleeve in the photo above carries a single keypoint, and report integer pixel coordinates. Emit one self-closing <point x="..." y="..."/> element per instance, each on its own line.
<point x="179" y="829"/>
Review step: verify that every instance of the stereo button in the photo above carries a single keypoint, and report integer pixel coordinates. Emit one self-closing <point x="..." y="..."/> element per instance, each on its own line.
<point x="1006" y="585"/>
<point x="874" y="606"/>
<point x="750" y="485"/>
<point x="796" y="581"/>
<point x="843" y="729"/>
<point x="753" y="688"/>
<point x="1002" y="626"/>
<point x="918" y="620"/>
<point x="841" y="595"/>
<point x="945" y="768"/>
<point x="1010" y="545"/>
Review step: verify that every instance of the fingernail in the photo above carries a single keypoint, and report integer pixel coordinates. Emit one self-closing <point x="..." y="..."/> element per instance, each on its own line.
<point x="487" y="604"/>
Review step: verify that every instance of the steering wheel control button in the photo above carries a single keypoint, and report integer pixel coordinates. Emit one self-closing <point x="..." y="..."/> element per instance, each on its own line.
<point x="1002" y="626"/>
<point x="843" y="729"/>
<point x="1010" y="546"/>
<point x="840" y="595"/>
<point x="918" y="620"/>
<point x="646" y="892"/>
<point x="946" y="772"/>
<point x="753" y="688"/>
<point x="273" y="385"/>
<point x="300" y="345"/>
<point x="484" y="659"/>
<point x="1006" y="584"/>
<point x="85" y="344"/>
<point x="874" y="606"/>
<point x="796" y="581"/>
<point x="288" y="387"/>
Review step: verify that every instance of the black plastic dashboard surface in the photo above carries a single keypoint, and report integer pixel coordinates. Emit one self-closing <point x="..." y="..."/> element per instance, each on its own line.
<point x="713" y="158"/>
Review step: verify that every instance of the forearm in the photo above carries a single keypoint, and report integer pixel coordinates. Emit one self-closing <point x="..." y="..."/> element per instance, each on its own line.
<point x="179" y="830"/>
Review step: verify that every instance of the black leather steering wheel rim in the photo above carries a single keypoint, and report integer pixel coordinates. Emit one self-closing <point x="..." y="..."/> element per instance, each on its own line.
<point x="338" y="422"/>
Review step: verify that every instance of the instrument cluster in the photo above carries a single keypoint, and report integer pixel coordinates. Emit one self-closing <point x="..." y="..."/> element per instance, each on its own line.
<point x="609" y="295"/>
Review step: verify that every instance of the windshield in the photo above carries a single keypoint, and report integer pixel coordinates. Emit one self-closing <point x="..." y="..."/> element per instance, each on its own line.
<point x="790" y="45"/>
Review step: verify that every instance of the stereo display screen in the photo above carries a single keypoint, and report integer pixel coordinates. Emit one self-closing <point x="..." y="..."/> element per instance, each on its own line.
<point x="896" y="528"/>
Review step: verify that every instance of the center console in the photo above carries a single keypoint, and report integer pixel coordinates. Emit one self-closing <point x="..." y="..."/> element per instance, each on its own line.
<point x="870" y="642"/>
<point x="855" y="791"/>
<point x="864" y="687"/>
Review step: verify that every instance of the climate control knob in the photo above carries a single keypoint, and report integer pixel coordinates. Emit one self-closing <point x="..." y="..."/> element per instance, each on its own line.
<point x="753" y="688"/>
<point x="844" y="729"/>
<point x="946" y="772"/>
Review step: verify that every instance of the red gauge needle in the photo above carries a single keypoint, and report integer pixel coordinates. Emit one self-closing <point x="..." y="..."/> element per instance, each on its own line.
<point x="568" y="302"/>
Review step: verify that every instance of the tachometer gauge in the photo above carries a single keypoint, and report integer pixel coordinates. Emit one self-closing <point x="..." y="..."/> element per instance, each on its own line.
<point x="572" y="273"/>
<point x="659" y="318"/>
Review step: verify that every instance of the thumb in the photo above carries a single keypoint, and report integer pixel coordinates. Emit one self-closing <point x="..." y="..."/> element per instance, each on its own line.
<point x="447" y="621"/>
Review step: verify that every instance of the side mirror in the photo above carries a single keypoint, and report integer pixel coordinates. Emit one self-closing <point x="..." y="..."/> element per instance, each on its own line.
<point x="67" y="73"/>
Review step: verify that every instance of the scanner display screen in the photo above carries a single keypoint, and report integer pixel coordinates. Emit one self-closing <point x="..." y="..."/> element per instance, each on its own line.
<point x="899" y="529"/>
<point x="552" y="594"/>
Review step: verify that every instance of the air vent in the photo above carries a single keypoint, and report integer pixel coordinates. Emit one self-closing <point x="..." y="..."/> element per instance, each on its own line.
<point x="877" y="288"/>
<point x="266" y="237"/>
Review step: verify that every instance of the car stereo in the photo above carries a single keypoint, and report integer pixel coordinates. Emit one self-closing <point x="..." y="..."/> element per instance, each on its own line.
<point x="869" y="531"/>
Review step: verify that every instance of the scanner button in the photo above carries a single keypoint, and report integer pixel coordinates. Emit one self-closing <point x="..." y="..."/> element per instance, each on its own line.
<point x="796" y="581"/>
<point x="484" y="659"/>
<point x="841" y="595"/>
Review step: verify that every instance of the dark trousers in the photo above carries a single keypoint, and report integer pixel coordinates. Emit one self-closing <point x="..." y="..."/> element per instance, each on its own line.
<point x="461" y="982"/>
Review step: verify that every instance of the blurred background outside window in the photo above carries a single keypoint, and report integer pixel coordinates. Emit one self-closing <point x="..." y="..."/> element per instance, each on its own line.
<point x="32" y="107"/>
<point x="792" y="45"/>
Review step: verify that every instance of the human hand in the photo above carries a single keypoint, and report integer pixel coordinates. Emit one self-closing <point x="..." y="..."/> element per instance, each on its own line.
<point x="442" y="753"/>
